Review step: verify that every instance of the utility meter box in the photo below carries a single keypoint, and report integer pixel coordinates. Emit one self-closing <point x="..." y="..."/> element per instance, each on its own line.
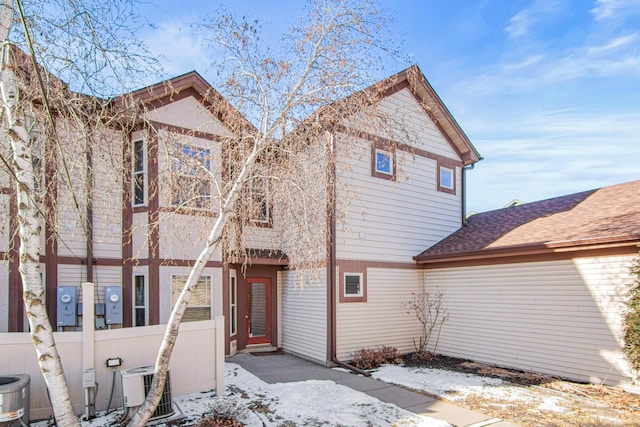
<point x="66" y="306"/>
<point x="113" y="297"/>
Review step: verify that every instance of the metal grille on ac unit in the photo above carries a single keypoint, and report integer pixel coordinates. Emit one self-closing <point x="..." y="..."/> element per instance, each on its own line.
<point x="136" y="383"/>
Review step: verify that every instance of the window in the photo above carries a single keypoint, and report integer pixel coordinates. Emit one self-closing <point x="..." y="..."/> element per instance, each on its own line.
<point x="260" y="211"/>
<point x="191" y="181"/>
<point x="140" y="311"/>
<point x="139" y="173"/>
<point x="384" y="162"/>
<point x="353" y="285"/>
<point x="446" y="179"/>
<point x="233" y="304"/>
<point x="199" y="307"/>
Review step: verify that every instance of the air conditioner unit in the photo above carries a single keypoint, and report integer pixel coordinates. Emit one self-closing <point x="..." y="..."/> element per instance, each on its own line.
<point x="136" y="383"/>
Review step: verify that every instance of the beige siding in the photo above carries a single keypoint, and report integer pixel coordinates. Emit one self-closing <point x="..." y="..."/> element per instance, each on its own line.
<point x="387" y="220"/>
<point x="407" y="115"/>
<point x="140" y="231"/>
<point x="71" y="275"/>
<point x="4" y="296"/>
<point x="557" y="317"/>
<point x="382" y="320"/>
<point x="184" y="236"/>
<point x="261" y="237"/>
<point x="4" y="222"/>
<point x="190" y="114"/>
<point x="304" y="312"/>
<point x="107" y="198"/>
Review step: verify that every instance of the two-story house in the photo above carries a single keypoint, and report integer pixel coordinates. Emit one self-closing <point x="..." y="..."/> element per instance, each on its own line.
<point x="397" y="188"/>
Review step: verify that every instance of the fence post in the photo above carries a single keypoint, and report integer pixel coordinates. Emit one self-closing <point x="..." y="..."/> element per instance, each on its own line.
<point x="88" y="349"/>
<point x="219" y="355"/>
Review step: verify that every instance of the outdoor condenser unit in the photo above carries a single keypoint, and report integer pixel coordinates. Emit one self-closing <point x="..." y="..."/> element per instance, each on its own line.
<point x="136" y="383"/>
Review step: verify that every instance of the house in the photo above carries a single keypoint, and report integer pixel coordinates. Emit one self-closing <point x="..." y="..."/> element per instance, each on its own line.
<point x="541" y="286"/>
<point x="388" y="181"/>
<point x="398" y="183"/>
<point x="408" y="176"/>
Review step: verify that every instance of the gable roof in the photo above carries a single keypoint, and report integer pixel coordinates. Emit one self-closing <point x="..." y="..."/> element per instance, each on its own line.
<point x="597" y="218"/>
<point x="442" y="117"/>
<point x="411" y="78"/>
<point x="193" y="83"/>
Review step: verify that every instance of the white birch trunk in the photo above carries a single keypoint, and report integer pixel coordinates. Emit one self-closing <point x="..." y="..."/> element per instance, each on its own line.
<point x="29" y="229"/>
<point x="171" y="333"/>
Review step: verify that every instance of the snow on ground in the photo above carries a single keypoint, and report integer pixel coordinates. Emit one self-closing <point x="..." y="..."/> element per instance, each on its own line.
<point x="313" y="402"/>
<point x="457" y="386"/>
<point x="306" y="403"/>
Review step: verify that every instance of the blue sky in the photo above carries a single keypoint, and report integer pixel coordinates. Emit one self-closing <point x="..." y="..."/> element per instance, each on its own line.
<point x="547" y="90"/>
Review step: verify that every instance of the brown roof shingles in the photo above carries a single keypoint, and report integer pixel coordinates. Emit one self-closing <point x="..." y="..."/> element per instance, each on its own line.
<point x="604" y="215"/>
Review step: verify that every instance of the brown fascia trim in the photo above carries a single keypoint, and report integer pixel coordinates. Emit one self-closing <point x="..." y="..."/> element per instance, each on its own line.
<point x="172" y="89"/>
<point x="418" y="81"/>
<point x="187" y="263"/>
<point x="623" y="243"/>
<point x="380" y="141"/>
<point x="185" y="131"/>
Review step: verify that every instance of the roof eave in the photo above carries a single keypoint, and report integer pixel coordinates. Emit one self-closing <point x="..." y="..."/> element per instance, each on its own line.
<point x="533" y="249"/>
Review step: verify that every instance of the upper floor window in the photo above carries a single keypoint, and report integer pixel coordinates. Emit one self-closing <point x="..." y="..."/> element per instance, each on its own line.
<point x="260" y="204"/>
<point x="139" y="173"/>
<point x="446" y="179"/>
<point x="383" y="163"/>
<point x="191" y="180"/>
<point x="199" y="307"/>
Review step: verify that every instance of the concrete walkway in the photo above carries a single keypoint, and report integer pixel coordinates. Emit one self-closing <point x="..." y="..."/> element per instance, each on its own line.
<point x="283" y="368"/>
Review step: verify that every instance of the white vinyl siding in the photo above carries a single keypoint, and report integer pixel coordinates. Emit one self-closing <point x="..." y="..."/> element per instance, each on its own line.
<point x="407" y="115"/>
<point x="304" y="316"/>
<point x="556" y="317"/>
<point x="392" y="220"/>
<point x="4" y="296"/>
<point x="382" y="320"/>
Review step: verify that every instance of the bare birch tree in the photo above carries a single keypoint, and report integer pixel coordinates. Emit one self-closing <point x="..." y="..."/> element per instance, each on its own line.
<point x="47" y="128"/>
<point x="337" y="48"/>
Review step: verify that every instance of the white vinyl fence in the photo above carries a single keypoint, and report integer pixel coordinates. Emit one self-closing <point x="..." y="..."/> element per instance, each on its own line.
<point x="197" y="362"/>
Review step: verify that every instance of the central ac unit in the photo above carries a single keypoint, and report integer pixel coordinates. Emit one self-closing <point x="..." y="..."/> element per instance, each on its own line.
<point x="136" y="383"/>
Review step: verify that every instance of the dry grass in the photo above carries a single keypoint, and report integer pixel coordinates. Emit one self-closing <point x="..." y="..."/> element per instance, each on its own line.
<point x="553" y="402"/>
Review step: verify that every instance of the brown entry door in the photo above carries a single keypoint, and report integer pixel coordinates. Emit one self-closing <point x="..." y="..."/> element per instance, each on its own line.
<point x="258" y="319"/>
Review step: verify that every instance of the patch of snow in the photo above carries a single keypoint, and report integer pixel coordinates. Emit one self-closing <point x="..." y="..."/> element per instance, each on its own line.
<point x="551" y="404"/>
<point x="446" y="384"/>
<point x="256" y="404"/>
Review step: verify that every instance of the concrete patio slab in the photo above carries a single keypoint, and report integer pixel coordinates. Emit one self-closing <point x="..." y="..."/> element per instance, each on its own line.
<point x="281" y="367"/>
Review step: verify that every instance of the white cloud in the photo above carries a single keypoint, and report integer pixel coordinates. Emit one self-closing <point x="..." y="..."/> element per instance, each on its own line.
<point x="521" y="22"/>
<point x="608" y="9"/>
<point x="180" y="50"/>
<point x="613" y="44"/>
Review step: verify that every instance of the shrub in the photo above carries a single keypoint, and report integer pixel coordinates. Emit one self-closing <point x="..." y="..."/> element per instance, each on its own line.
<point x="430" y="310"/>
<point x="632" y="320"/>
<point x="224" y="413"/>
<point x="372" y="359"/>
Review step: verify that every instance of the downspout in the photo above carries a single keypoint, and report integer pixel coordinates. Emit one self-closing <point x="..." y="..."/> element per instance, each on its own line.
<point x="331" y="252"/>
<point x="465" y="168"/>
